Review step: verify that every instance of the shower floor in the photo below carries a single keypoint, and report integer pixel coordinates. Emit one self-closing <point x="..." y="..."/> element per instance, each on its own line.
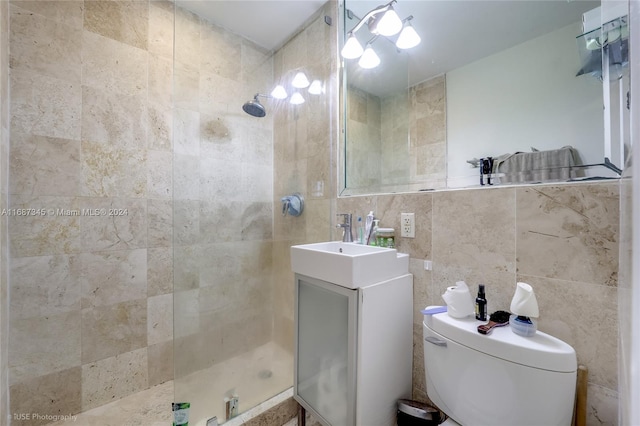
<point x="257" y="376"/>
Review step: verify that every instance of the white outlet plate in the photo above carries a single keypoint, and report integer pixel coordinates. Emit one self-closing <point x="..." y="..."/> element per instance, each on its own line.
<point x="408" y="225"/>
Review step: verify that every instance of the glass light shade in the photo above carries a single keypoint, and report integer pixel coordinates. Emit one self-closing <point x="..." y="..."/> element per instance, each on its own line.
<point x="390" y="23"/>
<point x="352" y="48"/>
<point x="408" y="38"/>
<point x="300" y="80"/>
<point x="369" y="58"/>
<point x="279" y="92"/>
<point x="316" y="87"/>
<point x="296" y="99"/>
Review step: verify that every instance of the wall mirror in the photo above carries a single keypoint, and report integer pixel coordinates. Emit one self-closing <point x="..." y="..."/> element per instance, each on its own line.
<point x="490" y="79"/>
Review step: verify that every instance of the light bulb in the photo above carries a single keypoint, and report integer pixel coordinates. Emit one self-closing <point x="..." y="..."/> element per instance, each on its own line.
<point x="352" y="48"/>
<point x="296" y="99"/>
<point x="300" y="80"/>
<point x="408" y="38"/>
<point x="390" y="24"/>
<point x="369" y="59"/>
<point x="279" y="92"/>
<point x="316" y="87"/>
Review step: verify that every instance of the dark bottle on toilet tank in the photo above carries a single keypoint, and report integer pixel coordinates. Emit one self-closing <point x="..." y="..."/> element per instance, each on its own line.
<point x="481" y="304"/>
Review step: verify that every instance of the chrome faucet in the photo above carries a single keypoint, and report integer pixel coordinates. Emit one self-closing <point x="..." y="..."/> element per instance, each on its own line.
<point x="347" y="235"/>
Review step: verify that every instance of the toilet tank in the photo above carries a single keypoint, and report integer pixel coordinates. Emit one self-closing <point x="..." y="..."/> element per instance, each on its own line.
<point x="497" y="379"/>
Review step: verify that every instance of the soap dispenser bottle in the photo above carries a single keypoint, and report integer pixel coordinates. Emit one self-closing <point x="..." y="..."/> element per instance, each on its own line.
<point x="374" y="232"/>
<point x="481" y="304"/>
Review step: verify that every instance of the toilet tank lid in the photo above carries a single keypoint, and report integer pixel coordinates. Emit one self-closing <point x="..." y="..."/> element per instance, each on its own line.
<point x="539" y="351"/>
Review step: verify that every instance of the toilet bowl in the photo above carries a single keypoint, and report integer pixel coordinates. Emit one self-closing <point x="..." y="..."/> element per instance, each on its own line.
<point x="497" y="379"/>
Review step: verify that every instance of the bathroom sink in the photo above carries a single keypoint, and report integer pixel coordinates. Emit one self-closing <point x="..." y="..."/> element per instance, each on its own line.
<point x="348" y="264"/>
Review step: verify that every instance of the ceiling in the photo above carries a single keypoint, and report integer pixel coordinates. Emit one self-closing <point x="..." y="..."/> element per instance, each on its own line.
<point x="268" y="23"/>
<point x="453" y="32"/>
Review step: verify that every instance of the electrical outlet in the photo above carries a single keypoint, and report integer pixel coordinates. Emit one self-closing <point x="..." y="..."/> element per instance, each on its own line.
<point x="408" y="225"/>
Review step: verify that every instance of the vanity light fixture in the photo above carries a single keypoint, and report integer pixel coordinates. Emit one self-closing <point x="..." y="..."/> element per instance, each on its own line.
<point x="381" y="21"/>
<point x="352" y="49"/>
<point x="316" y="87"/>
<point x="289" y="88"/>
<point x="300" y="81"/>
<point x="369" y="58"/>
<point x="279" y="92"/>
<point x="387" y="24"/>
<point x="408" y="37"/>
<point x="296" y="99"/>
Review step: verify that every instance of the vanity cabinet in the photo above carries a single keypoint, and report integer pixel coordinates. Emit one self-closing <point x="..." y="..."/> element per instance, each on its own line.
<point x="353" y="349"/>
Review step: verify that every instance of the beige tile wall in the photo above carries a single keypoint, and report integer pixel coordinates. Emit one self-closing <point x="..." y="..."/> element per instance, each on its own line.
<point x="222" y="199"/>
<point x="91" y="123"/>
<point x="428" y="134"/>
<point x="397" y="143"/>
<point x="92" y="127"/>
<point x="303" y="156"/>
<point x="561" y="239"/>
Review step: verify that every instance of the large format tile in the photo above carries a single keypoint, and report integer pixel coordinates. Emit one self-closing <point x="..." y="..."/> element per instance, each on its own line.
<point x="116" y="120"/>
<point x="44" y="397"/>
<point x="43" y="345"/>
<point x="112" y="66"/>
<point x="389" y="212"/>
<point x="160" y="319"/>
<point x="45" y="106"/>
<point x="44" y="166"/>
<point x="160" y="80"/>
<point x="569" y="232"/>
<point x="151" y="407"/>
<point x="112" y="330"/>
<point x="187" y="37"/>
<point x="115" y="224"/>
<point x="159" y="271"/>
<point x="160" y="126"/>
<point x="44" y="46"/>
<point x="113" y="277"/>
<point x="109" y="171"/>
<point x="56" y="232"/>
<point x="124" y="21"/>
<point x="219" y="51"/>
<point x="114" y="378"/>
<point x="186" y="132"/>
<point x="475" y="230"/>
<point x="159" y="174"/>
<point x="159" y="223"/>
<point x="161" y="24"/>
<point x="44" y="286"/>
<point x="68" y="12"/>
<point x="585" y="316"/>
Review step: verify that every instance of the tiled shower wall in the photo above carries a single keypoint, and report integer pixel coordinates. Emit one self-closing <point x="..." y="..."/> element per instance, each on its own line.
<point x="92" y="128"/>
<point x="223" y="197"/>
<point x="380" y="148"/>
<point x="561" y="239"/>
<point x="303" y="156"/>
<point x="91" y="278"/>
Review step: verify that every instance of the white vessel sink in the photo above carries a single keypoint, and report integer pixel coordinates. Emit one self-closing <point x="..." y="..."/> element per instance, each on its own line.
<point x="348" y="264"/>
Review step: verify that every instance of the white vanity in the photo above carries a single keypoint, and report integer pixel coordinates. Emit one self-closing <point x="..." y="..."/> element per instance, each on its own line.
<point x="354" y="332"/>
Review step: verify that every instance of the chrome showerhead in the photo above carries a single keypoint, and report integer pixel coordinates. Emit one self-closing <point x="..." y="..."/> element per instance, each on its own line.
<point x="254" y="107"/>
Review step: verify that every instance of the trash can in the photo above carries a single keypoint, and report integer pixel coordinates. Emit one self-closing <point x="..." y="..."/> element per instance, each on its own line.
<point x="414" y="413"/>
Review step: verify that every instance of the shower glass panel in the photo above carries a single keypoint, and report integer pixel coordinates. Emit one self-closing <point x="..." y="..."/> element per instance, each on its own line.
<point x="233" y="288"/>
<point x="222" y="214"/>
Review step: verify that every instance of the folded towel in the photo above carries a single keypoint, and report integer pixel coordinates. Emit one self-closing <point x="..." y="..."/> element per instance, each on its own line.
<point x="537" y="166"/>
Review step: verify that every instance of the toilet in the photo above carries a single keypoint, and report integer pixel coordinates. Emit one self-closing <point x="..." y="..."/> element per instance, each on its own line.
<point x="500" y="379"/>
